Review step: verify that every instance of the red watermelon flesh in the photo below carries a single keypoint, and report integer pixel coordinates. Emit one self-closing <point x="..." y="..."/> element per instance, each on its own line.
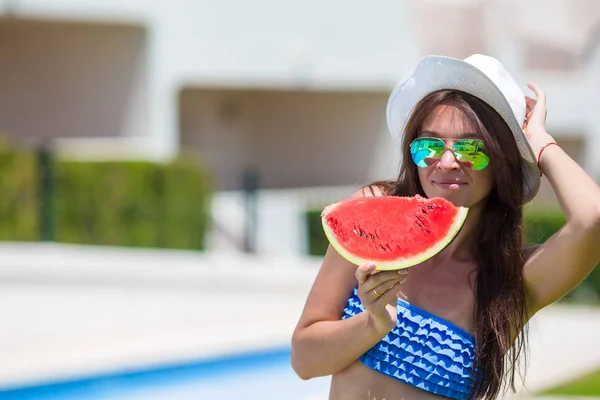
<point x="394" y="232"/>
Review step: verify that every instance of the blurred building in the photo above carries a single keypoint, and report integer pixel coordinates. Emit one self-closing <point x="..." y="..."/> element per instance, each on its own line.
<point x="293" y="90"/>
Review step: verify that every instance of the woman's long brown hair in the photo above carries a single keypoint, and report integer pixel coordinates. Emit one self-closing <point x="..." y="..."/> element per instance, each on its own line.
<point x="500" y="310"/>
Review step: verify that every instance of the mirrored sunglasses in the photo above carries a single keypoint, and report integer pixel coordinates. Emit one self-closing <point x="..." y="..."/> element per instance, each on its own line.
<point x="426" y="151"/>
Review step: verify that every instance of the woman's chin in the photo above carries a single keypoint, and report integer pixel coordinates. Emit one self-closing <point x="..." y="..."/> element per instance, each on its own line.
<point x="457" y="199"/>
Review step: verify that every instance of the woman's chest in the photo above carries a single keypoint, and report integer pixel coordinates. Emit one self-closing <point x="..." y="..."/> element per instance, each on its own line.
<point x="450" y="298"/>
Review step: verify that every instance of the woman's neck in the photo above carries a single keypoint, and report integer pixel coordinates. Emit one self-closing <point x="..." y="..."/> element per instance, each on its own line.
<point x="461" y="247"/>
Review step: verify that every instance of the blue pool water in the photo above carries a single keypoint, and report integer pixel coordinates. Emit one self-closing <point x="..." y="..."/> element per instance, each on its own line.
<point x="265" y="375"/>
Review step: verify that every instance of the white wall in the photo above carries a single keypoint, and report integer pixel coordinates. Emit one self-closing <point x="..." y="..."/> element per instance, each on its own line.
<point x="261" y="38"/>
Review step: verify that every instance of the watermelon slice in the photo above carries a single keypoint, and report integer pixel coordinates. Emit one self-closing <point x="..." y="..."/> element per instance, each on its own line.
<point x="394" y="232"/>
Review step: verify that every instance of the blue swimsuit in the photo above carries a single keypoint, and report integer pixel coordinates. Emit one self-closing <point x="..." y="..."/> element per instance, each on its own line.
<point x="422" y="350"/>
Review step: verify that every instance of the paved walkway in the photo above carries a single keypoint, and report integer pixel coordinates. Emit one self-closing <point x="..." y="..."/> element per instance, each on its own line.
<point x="69" y="311"/>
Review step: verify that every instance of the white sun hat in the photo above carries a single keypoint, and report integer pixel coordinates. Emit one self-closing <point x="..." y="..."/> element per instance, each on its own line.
<point x="481" y="76"/>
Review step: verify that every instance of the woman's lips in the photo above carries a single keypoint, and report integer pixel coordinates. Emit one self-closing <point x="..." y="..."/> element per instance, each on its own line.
<point x="449" y="185"/>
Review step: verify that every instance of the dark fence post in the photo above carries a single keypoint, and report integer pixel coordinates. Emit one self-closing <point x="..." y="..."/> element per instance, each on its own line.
<point x="250" y="186"/>
<point x="46" y="192"/>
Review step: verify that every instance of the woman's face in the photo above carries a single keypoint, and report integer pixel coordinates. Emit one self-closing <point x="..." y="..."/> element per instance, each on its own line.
<point x="447" y="177"/>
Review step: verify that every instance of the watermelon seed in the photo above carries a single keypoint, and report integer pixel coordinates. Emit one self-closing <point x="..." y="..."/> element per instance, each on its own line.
<point x="385" y="247"/>
<point x="358" y="231"/>
<point x="420" y="224"/>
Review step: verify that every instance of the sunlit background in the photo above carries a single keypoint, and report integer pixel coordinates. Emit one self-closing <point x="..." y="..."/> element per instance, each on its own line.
<point x="163" y="165"/>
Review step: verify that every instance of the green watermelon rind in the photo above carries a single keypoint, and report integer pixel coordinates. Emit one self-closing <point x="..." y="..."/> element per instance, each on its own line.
<point x="400" y="263"/>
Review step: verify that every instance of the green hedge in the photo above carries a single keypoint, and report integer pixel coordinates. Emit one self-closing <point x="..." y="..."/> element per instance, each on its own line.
<point x="539" y="225"/>
<point x="316" y="239"/>
<point x="18" y="194"/>
<point x="122" y="203"/>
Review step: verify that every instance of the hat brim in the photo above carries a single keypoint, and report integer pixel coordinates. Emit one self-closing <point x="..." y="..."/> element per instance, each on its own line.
<point x="435" y="73"/>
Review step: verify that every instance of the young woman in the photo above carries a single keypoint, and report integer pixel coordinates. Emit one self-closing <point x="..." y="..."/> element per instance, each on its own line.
<point x="454" y="326"/>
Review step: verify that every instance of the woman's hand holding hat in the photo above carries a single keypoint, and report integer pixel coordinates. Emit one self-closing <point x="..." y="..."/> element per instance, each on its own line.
<point x="535" y="120"/>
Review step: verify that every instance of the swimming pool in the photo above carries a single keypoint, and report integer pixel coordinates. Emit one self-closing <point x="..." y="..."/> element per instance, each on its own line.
<point x="264" y="375"/>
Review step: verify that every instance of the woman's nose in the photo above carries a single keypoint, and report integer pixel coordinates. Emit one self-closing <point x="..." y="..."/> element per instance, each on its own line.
<point x="448" y="161"/>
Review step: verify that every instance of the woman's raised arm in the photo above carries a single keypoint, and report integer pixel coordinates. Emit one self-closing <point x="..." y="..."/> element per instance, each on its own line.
<point x="565" y="259"/>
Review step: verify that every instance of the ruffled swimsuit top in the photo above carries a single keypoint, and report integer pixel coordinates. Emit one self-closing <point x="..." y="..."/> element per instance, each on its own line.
<point x="422" y="350"/>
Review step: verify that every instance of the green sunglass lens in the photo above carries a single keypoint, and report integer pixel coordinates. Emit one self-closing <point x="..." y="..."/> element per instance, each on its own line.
<point x="471" y="153"/>
<point x="426" y="151"/>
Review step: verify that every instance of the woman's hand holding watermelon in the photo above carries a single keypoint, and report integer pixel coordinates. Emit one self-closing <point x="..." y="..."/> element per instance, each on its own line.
<point x="378" y="293"/>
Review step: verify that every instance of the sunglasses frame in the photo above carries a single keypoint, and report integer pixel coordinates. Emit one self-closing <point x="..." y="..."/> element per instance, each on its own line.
<point x="479" y="147"/>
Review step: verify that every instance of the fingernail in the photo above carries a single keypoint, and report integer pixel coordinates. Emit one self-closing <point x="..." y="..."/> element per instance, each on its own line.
<point x="371" y="266"/>
<point x="403" y="271"/>
<point x="401" y="281"/>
